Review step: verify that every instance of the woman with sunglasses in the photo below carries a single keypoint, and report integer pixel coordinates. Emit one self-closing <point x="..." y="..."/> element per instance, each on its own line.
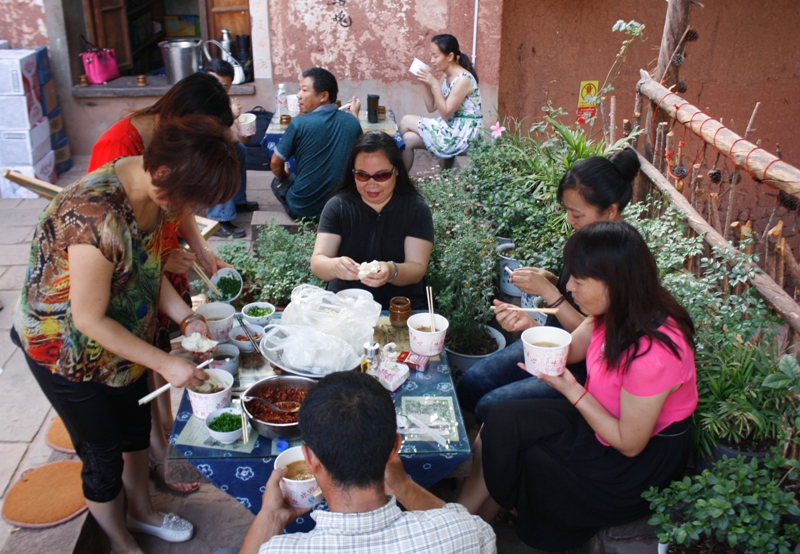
<point x="376" y="214"/>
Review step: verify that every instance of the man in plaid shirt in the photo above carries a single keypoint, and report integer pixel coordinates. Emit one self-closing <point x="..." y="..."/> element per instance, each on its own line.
<point x="349" y="426"/>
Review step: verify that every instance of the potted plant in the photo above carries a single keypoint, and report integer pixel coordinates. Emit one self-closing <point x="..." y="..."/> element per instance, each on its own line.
<point x="745" y="401"/>
<point x="461" y="269"/>
<point x="735" y="507"/>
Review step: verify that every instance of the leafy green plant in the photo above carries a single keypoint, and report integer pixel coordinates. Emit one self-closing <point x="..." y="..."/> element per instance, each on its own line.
<point x="734" y="507"/>
<point x="462" y="266"/>
<point x="278" y="262"/>
<point x="745" y="396"/>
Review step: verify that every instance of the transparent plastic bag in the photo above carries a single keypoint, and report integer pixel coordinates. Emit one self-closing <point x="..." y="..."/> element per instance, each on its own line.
<point x="305" y="348"/>
<point x="351" y="319"/>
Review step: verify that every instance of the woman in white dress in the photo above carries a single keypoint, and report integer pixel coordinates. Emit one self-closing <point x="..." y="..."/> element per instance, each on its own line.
<point x="457" y="99"/>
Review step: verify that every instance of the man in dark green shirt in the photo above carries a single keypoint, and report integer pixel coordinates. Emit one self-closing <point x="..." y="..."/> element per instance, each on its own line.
<point x="320" y="140"/>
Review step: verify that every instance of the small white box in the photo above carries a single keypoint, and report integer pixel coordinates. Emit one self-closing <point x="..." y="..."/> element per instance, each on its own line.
<point x="44" y="169"/>
<point x="3" y="44"/>
<point x="18" y="74"/>
<point x="25" y="147"/>
<point x="20" y="112"/>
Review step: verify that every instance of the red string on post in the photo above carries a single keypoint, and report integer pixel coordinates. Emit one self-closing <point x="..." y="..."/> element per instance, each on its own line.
<point x="764" y="180"/>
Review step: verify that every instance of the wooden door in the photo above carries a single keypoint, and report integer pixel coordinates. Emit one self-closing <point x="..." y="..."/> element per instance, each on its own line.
<point x="233" y="15"/>
<point x="107" y="24"/>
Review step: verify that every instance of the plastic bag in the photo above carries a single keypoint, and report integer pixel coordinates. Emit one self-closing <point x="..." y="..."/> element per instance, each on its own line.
<point x="352" y="319"/>
<point x="302" y="347"/>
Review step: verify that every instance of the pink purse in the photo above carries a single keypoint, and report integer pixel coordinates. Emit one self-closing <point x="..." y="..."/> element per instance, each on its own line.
<point x="99" y="64"/>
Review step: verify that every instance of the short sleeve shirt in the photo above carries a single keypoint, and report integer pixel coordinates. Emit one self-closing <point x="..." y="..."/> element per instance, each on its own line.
<point x="652" y="373"/>
<point x="93" y="211"/>
<point x="368" y="235"/>
<point x="320" y="142"/>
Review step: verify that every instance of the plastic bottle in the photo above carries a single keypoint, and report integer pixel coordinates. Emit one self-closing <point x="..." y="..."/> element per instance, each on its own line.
<point x="281" y="102"/>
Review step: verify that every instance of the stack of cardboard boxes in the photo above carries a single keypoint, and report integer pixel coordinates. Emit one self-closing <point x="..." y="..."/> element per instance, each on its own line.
<point x="32" y="138"/>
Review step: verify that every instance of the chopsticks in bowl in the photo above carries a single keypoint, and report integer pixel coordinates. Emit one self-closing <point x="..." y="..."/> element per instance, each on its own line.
<point x="202" y="274"/>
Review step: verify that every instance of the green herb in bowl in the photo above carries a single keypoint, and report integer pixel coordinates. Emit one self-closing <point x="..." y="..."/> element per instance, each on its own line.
<point x="229" y="287"/>
<point x="225" y="423"/>
<point x="259" y="311"/>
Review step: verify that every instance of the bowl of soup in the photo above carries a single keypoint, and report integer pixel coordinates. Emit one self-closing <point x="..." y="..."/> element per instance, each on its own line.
<point x="213" y="394"/>
<point x="226" y="358"/>
<point x="219" y="319"/>
<point x="278" y="388"/>
<point x="299" y="486"/>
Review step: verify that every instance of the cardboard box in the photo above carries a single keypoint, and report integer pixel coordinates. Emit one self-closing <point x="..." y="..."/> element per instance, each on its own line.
<point x="44" y="169"/>
<point x="47" y="92"/>
<point x="182" y="25"/>
<point x="20" y="112"/>
<point x="57" y="131"/>
<point x="3" y="45"/>
<point x="62" y="150"/>
<point x="25" y="147"/>
<point x="43" y="65"/>
<point x="18" y="74"/>
<point x="63" y="167"/>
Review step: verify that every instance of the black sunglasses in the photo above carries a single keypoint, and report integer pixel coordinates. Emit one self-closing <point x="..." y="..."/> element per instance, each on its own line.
<point x="380" y="177"/>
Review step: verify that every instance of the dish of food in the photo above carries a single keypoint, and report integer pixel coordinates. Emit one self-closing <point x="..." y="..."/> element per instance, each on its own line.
<point x="299" y="471"/>
<point x="210" y="386"/>
<point x="275" y="394"/>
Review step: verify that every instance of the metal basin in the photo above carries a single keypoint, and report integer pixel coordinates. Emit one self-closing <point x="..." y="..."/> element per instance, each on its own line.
<point x="276" y="430"/>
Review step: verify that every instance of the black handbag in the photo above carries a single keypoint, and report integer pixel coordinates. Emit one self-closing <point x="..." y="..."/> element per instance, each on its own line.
<point x="257" y="157"/>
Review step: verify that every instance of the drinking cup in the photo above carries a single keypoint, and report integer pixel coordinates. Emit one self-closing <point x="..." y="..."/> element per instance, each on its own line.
<point x="548" y="360"/>
<point x="299" y="494"/>
<point x="426" y="343"/>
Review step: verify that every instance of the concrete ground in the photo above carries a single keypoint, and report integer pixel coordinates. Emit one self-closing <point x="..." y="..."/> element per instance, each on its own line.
<point x="219" y="519"/>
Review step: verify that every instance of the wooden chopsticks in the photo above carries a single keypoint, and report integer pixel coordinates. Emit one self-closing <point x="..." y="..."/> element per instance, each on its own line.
<point x="202" y="274"/>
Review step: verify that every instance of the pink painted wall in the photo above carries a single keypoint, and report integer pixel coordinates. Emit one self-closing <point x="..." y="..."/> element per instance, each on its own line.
<point x="22" y="23"/>
<point x="374" y="52"/>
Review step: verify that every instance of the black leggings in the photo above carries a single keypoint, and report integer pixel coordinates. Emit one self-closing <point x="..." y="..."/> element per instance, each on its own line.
<point x="102" y="421"/>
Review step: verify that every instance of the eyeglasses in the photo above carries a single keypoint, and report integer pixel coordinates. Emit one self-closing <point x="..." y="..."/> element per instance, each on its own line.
<point x="380" y="177"/>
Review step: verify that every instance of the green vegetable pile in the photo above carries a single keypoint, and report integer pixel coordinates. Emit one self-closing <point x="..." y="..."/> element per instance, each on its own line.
<point x="258" y="311"/>
<point x="228" y="286"/>
<point x="225" y="423"/>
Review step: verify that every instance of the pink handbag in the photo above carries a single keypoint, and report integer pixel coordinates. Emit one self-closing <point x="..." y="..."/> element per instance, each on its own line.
<point x="99" y="64"/>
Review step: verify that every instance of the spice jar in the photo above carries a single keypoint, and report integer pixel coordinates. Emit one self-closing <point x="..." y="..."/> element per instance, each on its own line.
<point x="141" y="80"/>
<point x="399" y="311"/>
<point x="284" y="121"/>
<point x="83" y="81"/>
<point x="381" y="113"/>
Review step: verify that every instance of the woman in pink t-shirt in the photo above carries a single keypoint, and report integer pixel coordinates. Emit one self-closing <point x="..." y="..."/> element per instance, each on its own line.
<point x="572" y="466"/>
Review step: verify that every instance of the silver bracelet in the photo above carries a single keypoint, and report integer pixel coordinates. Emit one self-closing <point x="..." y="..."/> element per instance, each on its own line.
<point x="396" y="271"/>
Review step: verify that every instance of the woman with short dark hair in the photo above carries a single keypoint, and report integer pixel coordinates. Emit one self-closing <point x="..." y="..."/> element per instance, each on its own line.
<point x="572" y="465"/>
<point x="86" y="318"/>
<point x="376" y="214"/>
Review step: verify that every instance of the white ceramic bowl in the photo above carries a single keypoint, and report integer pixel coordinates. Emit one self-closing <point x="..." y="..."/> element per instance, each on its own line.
<point x="258" y="320"/>
<point x="226" y="272"/>
<point x="245" y="345"/>
<point x="231" y="365"/>
<point x="205" y="404"/>
<point x="225" y="438"/>
<point x="355" y="293"/>
<point x="219" y="318"/>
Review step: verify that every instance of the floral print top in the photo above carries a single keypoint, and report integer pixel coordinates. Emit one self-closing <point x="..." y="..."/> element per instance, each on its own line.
<point x="450" y="137"/>
<point x="94" y="211"/>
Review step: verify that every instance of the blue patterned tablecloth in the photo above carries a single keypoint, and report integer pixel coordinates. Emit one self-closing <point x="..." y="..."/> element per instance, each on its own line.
<point x="243" y="476"/>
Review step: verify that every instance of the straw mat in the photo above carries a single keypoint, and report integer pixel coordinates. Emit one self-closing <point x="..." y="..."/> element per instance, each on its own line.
<point x="57" y="437"/>
<point x="46" y="496"/>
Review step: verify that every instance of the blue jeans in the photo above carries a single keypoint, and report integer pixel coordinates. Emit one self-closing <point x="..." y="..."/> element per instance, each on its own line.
<point x="498" y="379"/>
<point x="227" y="211"/>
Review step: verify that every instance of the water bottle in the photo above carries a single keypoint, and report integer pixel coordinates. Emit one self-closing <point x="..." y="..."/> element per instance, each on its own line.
<point x="281" y="102"/>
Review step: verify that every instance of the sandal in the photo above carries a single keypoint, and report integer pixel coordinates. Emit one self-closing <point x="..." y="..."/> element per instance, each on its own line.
<point x="157" y="469"/>
<point x="504" y="518"/>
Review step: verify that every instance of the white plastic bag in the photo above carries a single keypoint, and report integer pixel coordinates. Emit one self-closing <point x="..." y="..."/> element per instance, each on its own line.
<point x="301" y="347"/>
<point x="352" y="319"/>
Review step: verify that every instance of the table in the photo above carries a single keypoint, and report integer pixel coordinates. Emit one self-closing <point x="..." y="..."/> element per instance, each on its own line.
<point x="244" y="474"/>
<point x="274" y="132"/>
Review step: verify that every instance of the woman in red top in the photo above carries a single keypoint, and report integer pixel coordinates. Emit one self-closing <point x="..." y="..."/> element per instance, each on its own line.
<point x="196" y="94"/>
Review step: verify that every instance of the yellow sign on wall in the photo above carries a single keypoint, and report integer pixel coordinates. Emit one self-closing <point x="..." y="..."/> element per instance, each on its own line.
<point x="587" y="108"/>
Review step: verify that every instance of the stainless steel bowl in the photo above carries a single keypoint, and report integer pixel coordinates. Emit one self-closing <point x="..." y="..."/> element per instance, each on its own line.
<point x="276" y="430"/>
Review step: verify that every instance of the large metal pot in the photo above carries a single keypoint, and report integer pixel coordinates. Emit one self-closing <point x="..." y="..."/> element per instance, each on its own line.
<point x="181" y="58"/>
<point x="276" y="430"/>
